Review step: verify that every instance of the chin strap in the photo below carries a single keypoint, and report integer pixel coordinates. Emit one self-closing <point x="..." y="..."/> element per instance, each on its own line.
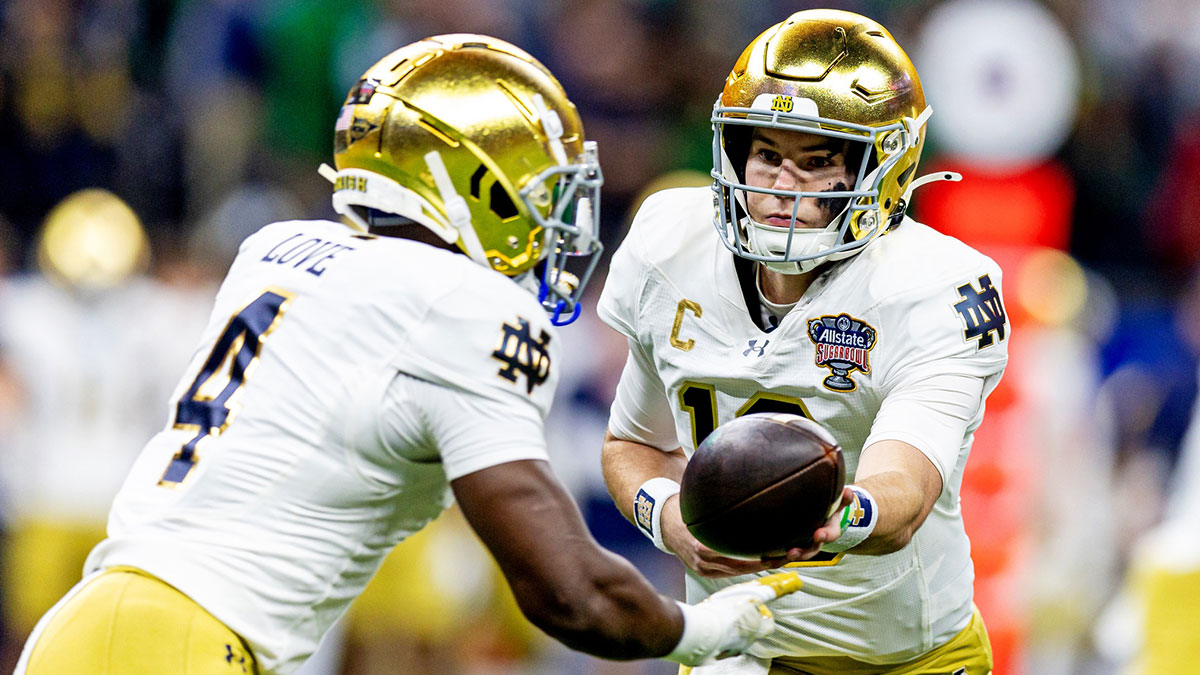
<point x="914" y="126"/>
<point x="553" y="128"/>
<point x="456" y="207"/>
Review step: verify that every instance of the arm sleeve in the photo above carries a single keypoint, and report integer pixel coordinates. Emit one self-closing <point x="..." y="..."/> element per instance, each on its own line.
<point x="640" y="410"/>
<point x="618" y="303"/>
<point x="933" y="413"/>
<point x="486" y="337"/>
<point x="469" y="432"/>
<point x="476" y="376"/>
<point x="936" y="384"/>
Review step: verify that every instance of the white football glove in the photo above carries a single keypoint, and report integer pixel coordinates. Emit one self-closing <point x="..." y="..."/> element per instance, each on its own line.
<point x="730" y="620"/>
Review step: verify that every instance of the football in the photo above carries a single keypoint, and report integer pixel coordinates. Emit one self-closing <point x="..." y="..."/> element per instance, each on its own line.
<point x="761" y="484"/>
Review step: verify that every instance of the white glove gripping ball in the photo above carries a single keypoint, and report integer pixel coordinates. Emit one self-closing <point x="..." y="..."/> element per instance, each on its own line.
<point x="727" y="622"/>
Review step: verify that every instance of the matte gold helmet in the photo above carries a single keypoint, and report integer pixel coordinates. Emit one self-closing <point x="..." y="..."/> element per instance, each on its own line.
<point x="474" y="139"/>
<point x="830" y="73"/>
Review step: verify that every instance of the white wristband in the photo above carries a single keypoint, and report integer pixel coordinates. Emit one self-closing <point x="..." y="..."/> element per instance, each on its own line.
<point x="858" y="521"/>
<point x="647" y="508"/>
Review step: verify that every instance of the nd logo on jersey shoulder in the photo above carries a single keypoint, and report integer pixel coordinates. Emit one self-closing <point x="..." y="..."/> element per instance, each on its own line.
<point x="521" y="353"/>
<point x="982" y="313"/>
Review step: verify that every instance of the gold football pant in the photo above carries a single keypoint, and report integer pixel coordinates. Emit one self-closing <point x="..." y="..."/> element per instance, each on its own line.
<point x="125" y="622"/>
<point x="967" y="653"/>
<point x="42" y="558"/>
<point x="1171" y="605"/>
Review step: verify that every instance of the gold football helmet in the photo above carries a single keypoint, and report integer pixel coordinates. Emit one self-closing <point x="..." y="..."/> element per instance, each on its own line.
<point x="835" y="74"/>
<point x="474" y="139"/>
<point x="92" y="241"/>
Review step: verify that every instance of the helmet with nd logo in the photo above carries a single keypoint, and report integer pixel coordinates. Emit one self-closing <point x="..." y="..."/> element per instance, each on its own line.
<point x="474" y="139"/>
<point x="829" y="73"/>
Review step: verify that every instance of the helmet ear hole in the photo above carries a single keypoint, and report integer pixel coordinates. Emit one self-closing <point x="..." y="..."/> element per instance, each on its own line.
<point x="500" y="203"/>
<point x="476" y="178"/>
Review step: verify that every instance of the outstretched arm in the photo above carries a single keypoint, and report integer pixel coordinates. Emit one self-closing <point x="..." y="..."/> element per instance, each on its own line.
<point x="590" y="599"/>
<point x="904" y="485"/>
<point x="628" y="464"/>
<point x="564" y="582"/>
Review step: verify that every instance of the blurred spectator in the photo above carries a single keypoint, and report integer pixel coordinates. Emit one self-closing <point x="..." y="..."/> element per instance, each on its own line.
<point x="69" y="110"/>
<point x="214" y="63"/>
<point x="626" y="97"/>
<point x="209" y="117"/>
<point x="92" y="347"/>
<point x="1151" y="627"/>
<point x="1173" y="211"/>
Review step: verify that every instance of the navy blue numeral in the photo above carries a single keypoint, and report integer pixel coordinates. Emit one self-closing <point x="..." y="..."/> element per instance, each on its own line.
<point x="204" y="407"/>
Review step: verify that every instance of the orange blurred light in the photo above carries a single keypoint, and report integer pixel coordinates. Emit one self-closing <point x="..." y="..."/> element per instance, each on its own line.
<point x="1029" y="207"/>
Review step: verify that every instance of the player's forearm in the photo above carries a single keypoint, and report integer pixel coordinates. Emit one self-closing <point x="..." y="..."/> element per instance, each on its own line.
<point x="900" y="507"/>
<point x="563" y="581"/>
<point x="607" y="610"/>
<point x="904" y="485"/>
<point x="627" y="465"/>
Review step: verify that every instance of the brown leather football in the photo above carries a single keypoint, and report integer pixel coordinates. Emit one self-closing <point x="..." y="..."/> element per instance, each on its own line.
<point x="761" y="484"/>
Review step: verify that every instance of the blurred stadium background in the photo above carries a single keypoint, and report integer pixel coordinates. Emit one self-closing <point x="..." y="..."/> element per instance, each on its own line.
<point x="1076" y="124"/>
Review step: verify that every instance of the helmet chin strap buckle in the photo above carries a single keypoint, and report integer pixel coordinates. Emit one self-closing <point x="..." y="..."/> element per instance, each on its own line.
<point x="561" y="306"/>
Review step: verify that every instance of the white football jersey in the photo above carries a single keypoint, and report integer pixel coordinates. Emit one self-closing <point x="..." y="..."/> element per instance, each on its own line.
<point x="342" y="381"/>
<point x="94" y="370"/>
<point x="903" y="342"/>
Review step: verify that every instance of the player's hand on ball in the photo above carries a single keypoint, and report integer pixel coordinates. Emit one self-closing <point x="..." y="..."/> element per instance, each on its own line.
<point x="832" y="529"/>
<point x="731" y="620"/>
<point x="703" y="560"/>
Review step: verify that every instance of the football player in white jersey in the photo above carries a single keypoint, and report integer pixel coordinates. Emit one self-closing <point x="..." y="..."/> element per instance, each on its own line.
<point x="819" y="297"/>
<point x="352" y="382"/>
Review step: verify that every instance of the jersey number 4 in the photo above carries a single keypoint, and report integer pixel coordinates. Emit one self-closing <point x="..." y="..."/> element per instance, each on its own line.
<point x="206" y="406"/>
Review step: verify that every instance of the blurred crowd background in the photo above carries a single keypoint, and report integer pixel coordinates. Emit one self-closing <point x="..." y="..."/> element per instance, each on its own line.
<point x="142" y="140"/>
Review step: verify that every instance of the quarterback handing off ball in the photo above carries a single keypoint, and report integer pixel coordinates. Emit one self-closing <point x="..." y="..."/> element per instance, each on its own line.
<point x="761" y="484"/>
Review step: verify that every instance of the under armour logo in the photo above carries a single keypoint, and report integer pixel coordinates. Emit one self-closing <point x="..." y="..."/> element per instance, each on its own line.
<point x="982" y="312"/>
<point x="231" y="658"/>
<point x="754" y="348"/>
